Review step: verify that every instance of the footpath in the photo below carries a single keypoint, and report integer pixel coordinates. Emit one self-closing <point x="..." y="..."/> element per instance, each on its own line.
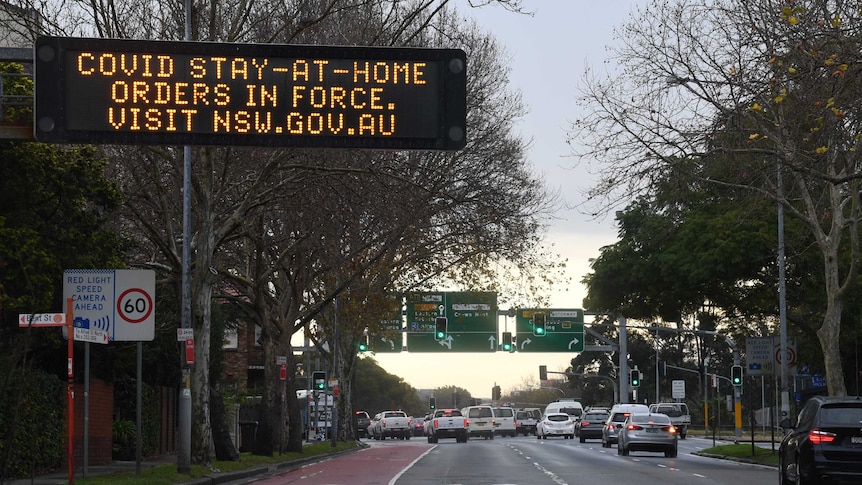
<point x="61" y="477"/>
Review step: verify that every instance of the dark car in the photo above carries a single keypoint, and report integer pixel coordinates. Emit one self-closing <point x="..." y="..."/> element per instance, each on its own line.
<point x="825" y="443"/>
<point x="418" y="426"/>
<point x="361" y="420"/>
<point x="591" y="425"/>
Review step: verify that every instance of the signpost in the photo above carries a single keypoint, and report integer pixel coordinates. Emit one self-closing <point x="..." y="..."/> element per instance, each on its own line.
<point x="763" y="356"/>
<point x="41" y="319"/>
<point x="386" y="340"/>
<point x="95" y="90"/>
<point x="564" y="330"/>
<point x="471" y="326"/>
<point x="120" y="303"/>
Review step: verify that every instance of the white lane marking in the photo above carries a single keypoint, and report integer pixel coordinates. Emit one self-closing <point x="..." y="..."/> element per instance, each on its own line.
<point x="550" y="474"/>
<point x="404" y="470"/>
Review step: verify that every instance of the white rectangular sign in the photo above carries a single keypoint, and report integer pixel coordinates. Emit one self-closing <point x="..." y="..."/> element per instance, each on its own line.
<point x="678" y="387"/>
<point x="91" y="335"/>
<point x="116" y="301"/>
<point x="185" y="334"/>
<point x="41" y="319"/>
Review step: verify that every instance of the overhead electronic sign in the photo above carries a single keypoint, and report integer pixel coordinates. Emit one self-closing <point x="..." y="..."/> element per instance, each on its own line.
<point x="206" y="93"/>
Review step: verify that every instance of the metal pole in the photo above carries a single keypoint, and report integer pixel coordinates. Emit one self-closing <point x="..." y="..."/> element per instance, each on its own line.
<point x="184" y="408"/>
<point x="138" y="420"/>
<point x="335" y="351"/>
<point x="624" y="363"/>
<point x="782" y="301"/>
<point x="86" y="450"/>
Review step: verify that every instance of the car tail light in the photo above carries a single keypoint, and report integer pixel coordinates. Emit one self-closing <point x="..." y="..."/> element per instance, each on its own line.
<point x="436" y="424"/>
<point x="466" y="423"/>
<point x="634" y="427"/>
<point x="670" y="429"/>
<point x="585" y="423"/>
<point x="816" y="437"/>
<point x="383" y="421"/>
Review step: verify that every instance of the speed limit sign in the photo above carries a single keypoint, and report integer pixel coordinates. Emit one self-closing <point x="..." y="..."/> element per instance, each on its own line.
<point x="118" y="302"/>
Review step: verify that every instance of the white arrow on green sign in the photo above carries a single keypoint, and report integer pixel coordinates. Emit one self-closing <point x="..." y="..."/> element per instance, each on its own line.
<point x="564" y="330"/>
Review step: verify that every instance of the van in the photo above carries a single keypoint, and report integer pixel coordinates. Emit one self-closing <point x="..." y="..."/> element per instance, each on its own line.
<point x="505" y="422"/>
<point x="677" y="412"/>
<point x="571" y="407"/>
<point x="619" y="413"/>
<point x="482" y="421"/>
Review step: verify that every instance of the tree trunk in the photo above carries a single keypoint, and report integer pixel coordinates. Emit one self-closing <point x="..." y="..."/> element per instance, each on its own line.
<point x="224" y="447"/>
<point x="829" y="336"/>
<point x="203" y="448"/>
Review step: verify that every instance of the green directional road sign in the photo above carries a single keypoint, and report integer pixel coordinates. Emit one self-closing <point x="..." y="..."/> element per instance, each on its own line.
<point x="387" y="339"/>
<point x="471" y="321"/>
<point x="563" y="330"/>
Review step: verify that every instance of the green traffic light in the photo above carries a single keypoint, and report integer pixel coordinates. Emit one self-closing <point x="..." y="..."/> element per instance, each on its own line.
<point x="540" y="330"/>
<point x="507" y="347"/>
<point x="440" y="335"/>
<point x="363" y="347"/>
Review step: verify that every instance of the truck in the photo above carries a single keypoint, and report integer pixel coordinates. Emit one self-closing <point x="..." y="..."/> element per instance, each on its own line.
<point x="392" y="424"/>
<point x="446" y="423"/>
<point x="526" y="421"/>
<point x="678" y="414"/>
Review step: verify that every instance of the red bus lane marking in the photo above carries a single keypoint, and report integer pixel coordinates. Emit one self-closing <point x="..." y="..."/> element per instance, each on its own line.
<point x="374" y="465"/>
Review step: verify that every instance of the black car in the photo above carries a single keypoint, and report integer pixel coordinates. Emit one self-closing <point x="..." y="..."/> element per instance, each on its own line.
<point x="825" y="444"/>
<point x="361" y="420"/>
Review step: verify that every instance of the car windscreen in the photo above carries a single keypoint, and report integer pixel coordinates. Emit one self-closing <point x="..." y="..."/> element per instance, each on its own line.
<point x="841" y="415"/>
<point x="557" y="417"/>
<point x="619" y="417"/>
<point x="447" y="414"/>
<point x="650" y="418"/>
<point x="595" y="417"/>
<point x="672" y="411"/>
<point x="571" y="411"/>
<point x="504" y="413"/>
<point x="480" y="413"/>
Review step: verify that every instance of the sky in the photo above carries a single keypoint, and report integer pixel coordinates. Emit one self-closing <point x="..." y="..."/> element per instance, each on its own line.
<point x="549" y="51"/>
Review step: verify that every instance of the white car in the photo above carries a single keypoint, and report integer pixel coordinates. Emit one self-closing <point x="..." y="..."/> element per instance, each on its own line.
<point x="555" y="424"/>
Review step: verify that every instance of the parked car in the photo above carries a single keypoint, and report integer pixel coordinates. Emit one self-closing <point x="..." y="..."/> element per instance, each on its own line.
<point x="361" y="420"/>
<point x="590" y="426"/>
<point x="648" y="432"/>
<point x="618" y="416"/>
<point x="555" y="424"/>
<point x="825" y="442"/>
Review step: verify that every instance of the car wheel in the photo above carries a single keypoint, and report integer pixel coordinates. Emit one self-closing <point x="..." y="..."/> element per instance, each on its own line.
<point x="582" y="439"/>
<point x="620" y="450"/>
<point x="800" y="480"/>
<point x="671" y="453"/>
<point x="538" y="436"/>
<point x="682" y="436"/>
<point x="625" y="449"/>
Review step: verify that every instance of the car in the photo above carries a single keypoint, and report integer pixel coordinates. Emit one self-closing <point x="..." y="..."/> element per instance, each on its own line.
<point x="555" y="424"/>
<point x="526" y="421"/>
<point x="824" y="443"/>
<point x="362" y="421"/>
<point x="566" y="405"/>
<point x="619" y="414"/>
<point x="504" y="422"/>
<point x="648" y="432"/>
<point x="590" y="426"/>
<point x="481" y="421"/>
<point x="419" y="426"/>
<point x="678" y="414"/>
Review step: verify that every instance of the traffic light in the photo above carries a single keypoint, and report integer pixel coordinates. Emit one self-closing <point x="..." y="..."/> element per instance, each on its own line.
<point x="318" y="380"/>
<point x="543" y="373"/>
<point x="440" y="324"/>
<point x="506" y="343"/>
<point x="495" y="393"/>
<point x="432" y="403"/>
<point x="363" y="344"/>
<point x="736" y="375"/>
<point x="539" y="324"/>
<point x="635" y="377"/>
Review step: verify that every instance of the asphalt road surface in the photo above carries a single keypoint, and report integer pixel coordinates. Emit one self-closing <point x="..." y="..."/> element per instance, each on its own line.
<point x="521" y="460"/>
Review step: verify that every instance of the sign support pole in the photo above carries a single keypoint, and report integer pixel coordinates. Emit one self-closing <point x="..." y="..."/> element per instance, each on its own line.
<point x="70" y="391"/>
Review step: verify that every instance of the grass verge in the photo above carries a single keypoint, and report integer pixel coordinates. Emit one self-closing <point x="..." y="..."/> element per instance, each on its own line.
<point x="743" y="451"/>
<point x="167" y="475"/>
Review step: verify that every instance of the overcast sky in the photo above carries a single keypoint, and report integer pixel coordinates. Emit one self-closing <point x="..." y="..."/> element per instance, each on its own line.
<point x="549" y="53"/>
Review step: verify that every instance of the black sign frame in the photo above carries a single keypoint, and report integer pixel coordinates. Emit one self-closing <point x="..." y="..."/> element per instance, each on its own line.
<point x="429" y="108"/>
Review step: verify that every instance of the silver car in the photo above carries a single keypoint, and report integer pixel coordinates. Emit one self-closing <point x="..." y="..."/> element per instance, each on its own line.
<point x="648" y="432"/>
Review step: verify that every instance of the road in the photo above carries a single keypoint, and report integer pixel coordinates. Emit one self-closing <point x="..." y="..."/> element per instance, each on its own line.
<point x="520" y="460"/>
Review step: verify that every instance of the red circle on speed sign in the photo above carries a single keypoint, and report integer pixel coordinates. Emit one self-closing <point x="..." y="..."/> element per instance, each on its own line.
<point x="791" y="355"/>
<point x="135" y="305"/>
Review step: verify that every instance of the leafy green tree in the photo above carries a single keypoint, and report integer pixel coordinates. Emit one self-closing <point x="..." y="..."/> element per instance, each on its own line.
<point x="772" y="88"/>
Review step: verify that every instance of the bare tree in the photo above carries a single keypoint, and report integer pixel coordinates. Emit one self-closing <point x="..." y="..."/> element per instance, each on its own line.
<point x="768" y="88"/>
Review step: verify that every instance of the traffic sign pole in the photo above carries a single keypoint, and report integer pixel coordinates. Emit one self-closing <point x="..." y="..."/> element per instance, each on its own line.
<point x="70" y="391"/>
